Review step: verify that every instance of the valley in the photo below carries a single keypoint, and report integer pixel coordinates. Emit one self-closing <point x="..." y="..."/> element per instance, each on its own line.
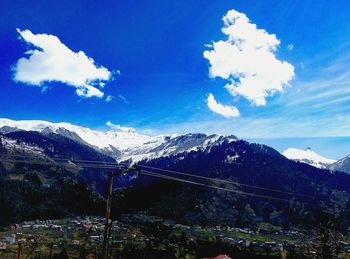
<point x="214" y="190"/>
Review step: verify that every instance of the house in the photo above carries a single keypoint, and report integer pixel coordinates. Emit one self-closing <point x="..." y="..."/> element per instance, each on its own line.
<point x="11" y="239"/>
<point x="219" y="257"/>
<point x="3" y="246"/>
<point x="75" y="242"/>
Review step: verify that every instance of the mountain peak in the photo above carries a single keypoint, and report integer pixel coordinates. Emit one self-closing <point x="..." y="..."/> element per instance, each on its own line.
<point x="307" y="156"/>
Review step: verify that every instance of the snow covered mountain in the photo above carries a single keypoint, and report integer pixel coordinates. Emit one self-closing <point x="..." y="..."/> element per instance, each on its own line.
<point x="114" y="143"/>
<point x="341" y="165"/>
<point x="120" y="144"/>
<point x="308" y="156"/>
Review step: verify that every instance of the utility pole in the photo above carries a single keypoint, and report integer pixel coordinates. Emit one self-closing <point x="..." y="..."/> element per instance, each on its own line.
<point x="51" y="246"/>
<point x="19" y="251"/>
<point x="108" y="216"/>
<point x="108" y="223"/>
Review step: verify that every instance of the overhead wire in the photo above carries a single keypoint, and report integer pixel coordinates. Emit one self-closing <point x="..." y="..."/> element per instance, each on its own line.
<point x="112" y="165"/>
<point x="212" y="186"/>
<point x="161" y="176"/>
<point x="219" y="180"/>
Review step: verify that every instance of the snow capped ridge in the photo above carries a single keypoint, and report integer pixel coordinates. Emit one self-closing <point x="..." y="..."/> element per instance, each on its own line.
<point x="308" y="156"/>
<point x="121" y="140"/>
<point x="183" y="144"/>
<point x="121" y="144"/>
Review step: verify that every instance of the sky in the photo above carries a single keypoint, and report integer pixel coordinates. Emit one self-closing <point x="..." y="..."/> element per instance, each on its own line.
<point x="256" y="69"/>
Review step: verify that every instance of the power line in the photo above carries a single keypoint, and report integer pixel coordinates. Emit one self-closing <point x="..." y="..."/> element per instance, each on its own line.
<point x="68" y="159"/>
<point x="222" y="181"/>
<point x="162" y="176"/>
<point x="211" y="186"/>
<point x="112" y="165"/>
<point x="53" y="164"/>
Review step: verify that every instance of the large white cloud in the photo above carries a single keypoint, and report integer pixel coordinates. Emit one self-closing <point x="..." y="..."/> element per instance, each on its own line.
<point x="224" y="110"/>
<point x="246" y="58"/>
<point x="50" y="60"/>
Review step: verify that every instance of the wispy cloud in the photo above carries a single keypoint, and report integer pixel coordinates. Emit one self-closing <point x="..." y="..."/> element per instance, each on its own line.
<point x="118" y="127"/>
<point x="147" y="131"/>
<point x="109" y="98"/>
<point x="224" y="110"/>
<point x="321" y="86"/>
<point x="123" y="98"/>
<point x="271" y="127"/>
<point x="50" y="60"/>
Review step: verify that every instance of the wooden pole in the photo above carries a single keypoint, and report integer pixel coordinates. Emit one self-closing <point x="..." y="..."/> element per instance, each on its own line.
<point x="19" y="251"/>
<point x="51" y="247"/>
<point x="108" y="223"/>
<point x="108" y="217"/>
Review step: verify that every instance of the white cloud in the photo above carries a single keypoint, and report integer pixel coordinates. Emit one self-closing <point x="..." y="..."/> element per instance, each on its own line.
<point x="290" y="47"/>
<point x="246" y="58"/>
<point x="117" y="127"/>
<point x="123" y="98"/>
<point x="109" y="98"/>
<point x="147" y="131"/>
<point x="224" y="110"/>
<point x="50" y="60"/>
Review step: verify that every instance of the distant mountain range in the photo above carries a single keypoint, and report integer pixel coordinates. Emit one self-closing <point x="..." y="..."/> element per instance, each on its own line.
<point x="121" y="145"/>
<point x="126" y="144"/>
<point x="214" y="156"/>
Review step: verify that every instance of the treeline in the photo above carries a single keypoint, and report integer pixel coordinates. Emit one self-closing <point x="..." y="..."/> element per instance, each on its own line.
<point x="29" y="199"/>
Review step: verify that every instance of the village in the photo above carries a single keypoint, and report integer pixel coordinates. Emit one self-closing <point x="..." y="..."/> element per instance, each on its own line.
<point x="79" y="237"/>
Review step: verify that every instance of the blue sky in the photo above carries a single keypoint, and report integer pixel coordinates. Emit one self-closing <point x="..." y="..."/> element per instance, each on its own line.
<point x="159" y="79"/>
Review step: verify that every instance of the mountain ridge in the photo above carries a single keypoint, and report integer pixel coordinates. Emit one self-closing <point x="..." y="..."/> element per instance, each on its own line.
<point x="121" y="145"/>
<point x="128" y="145"/>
